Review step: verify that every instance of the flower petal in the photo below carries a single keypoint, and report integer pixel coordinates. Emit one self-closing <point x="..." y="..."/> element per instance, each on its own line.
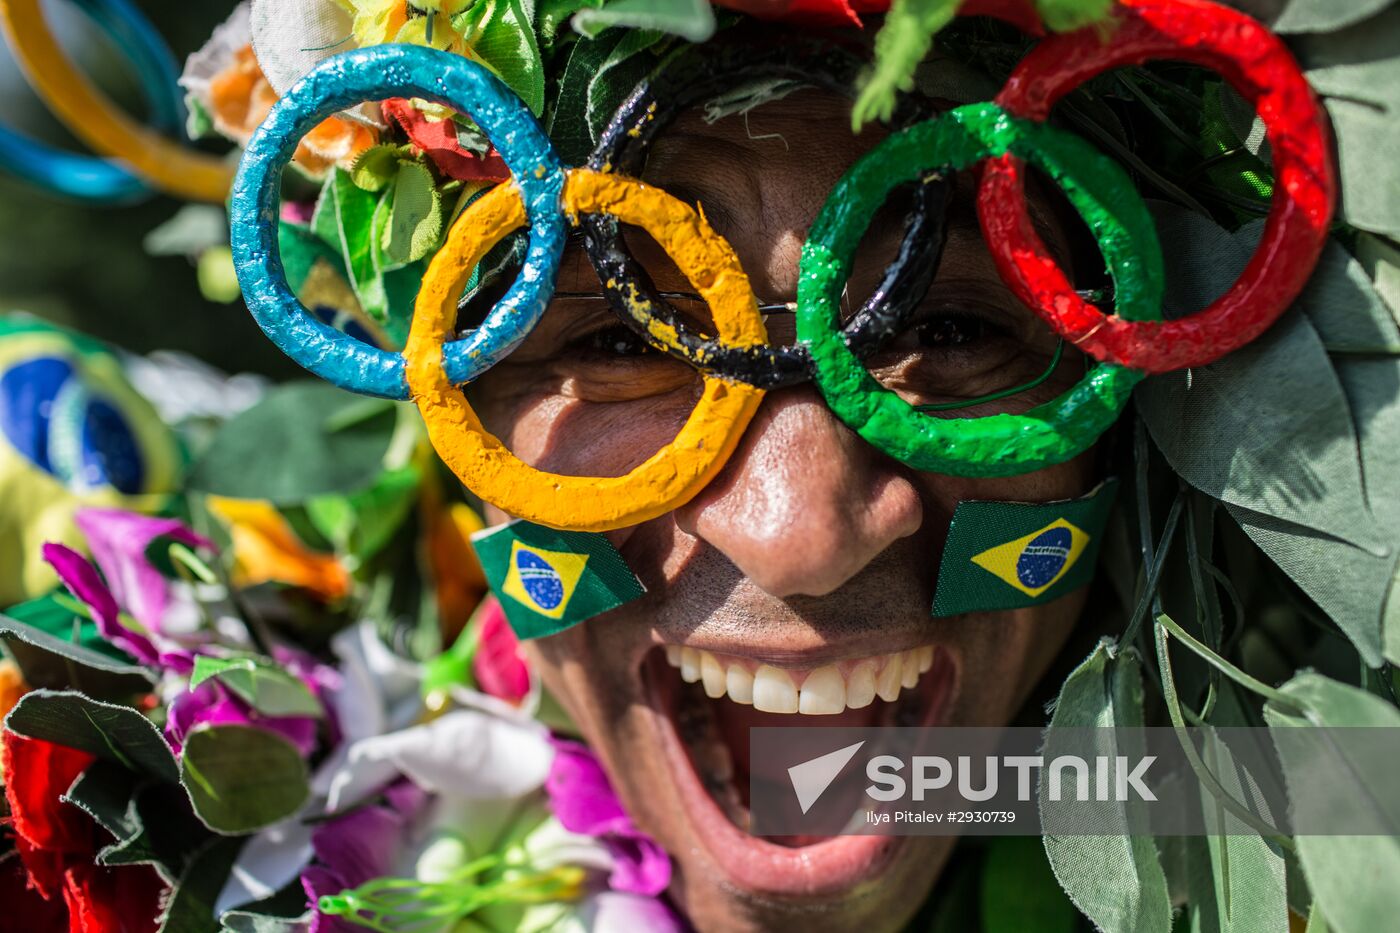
<point x="83" y="581"/>
<point x="118" y="541"/>
<point x="37" y="775"/>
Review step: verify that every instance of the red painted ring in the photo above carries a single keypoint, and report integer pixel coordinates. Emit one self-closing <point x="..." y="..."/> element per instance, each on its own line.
<point x="1258" y="65"/>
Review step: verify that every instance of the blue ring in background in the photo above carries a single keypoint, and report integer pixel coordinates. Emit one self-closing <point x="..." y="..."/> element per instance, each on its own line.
<point x="88" y="178"/>
<point x="377" y="73"/>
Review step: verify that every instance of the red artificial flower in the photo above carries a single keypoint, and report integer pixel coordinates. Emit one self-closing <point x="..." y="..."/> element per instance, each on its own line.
<point x="57" y="845"/>
<point x="438" y="139"/>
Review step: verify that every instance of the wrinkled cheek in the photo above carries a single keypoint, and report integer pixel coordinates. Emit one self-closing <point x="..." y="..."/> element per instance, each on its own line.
<point x="565" y="435"/>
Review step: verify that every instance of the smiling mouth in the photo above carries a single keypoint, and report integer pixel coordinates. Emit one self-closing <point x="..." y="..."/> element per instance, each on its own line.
<point x="708" y="702"/>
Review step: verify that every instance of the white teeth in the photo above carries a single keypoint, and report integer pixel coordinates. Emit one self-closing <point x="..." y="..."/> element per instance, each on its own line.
<point x="825" y="691"/>
<point x="887" y="686"/>
<point x="740" y="684"/>
<point x="690" y="665"/>
<point x="910" y="663"/>
<point x="712" y="673"/>
<point x="860" y="688"/>
<point x="773" y="691"/>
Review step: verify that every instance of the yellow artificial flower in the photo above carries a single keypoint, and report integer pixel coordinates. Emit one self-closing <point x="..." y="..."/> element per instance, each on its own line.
<point x="377" y="21"/>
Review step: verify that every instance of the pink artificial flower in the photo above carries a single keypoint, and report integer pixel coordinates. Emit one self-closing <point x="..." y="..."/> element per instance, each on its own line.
<point x="118" y="541"/>
<point x="583" y="799"/>
<point x="498" y="666"/>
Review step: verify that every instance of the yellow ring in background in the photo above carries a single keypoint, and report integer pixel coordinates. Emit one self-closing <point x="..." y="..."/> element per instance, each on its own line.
<point x="94" y="119"/>
<point x="671" y="476"/>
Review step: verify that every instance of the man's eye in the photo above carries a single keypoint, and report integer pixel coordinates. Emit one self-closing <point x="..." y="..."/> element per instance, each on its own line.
<point x="617" y="340"/>
<point x="951" y="330"/>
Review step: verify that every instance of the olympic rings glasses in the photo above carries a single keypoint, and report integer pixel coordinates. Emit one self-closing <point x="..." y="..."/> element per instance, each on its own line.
<point x="995" y="137"/>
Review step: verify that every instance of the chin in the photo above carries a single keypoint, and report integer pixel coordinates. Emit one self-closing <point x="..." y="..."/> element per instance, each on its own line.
<point x="667" y="703"/>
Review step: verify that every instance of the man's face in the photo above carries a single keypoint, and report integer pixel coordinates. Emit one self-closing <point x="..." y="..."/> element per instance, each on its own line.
<point x="805" y="571"/>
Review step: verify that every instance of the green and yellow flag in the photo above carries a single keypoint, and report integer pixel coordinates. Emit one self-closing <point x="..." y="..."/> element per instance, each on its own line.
<point x="1006" y="555"/>
<point x="548" y="580"/>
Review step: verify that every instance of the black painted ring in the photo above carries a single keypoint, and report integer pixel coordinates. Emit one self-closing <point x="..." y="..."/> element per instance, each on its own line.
<point x="697" y="74"/>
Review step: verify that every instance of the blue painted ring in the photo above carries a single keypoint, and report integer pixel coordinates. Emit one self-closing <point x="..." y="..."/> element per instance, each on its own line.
<point x="86" y="178"/>
<point x="377" y="73"/>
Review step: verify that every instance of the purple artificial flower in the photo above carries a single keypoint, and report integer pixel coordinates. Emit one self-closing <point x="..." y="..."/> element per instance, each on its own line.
<point x="323" y="680"/>
<point x="357" y="847"/>
<point x="83" y="581"/>
<point x="118" y="541"/>
<point x="211" y="703"/>
<point x="583" y="800"/>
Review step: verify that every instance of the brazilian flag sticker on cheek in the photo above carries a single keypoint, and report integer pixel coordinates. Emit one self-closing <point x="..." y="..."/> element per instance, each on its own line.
<point x="1008" y="555"/>
<point x="549" y="580"/>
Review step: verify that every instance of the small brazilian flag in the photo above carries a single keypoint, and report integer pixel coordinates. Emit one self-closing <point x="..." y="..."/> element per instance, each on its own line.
<point x="1006" y="555"/>
<point x="549" y="580"/>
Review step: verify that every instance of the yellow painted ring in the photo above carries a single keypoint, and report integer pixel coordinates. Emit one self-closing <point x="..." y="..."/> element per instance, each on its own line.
<point x="98" y="122"/>
<point x="671" y="476"/>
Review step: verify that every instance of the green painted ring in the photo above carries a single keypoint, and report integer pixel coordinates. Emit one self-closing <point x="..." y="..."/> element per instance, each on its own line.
<point x="996" y="445"/>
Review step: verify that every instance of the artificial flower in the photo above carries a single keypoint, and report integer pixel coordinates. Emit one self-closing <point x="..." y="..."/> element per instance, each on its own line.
<point x="118" y="541"/>
<point x="583" y="799"/>
<point x="498" y="666"/>
<point x="377" y="21"/>
<point x="12" y="687"/>
<point x="86" y="585"/>
<point x="225" y="81"/>
<point x="58" y="843"/>
<point x="266" y="549"/>
<point x="211" y="703"/>
<point x="438" y="139"/>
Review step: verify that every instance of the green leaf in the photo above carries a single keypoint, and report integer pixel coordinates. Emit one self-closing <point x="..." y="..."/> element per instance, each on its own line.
<point x="264" y="686"/>
<point x="1282" y="431"/>
<point x="1019" y="891"/>
<point x="1068" y="15"/>
<point x="1357" y="72"/>
<point x="416" y="221"/>
<point x="567" y="122"/>
<point x="111" y="732"/>
<point x="344" y="218"/>
<point x="902" y="42"/>
<point x="241" y="779"/>
<point x="692" y="20"/>
<point x="1116" y="881"/>
<point x="632" y="59"/>
<point x="375" y="167"/>
<point x="218" y="282"/>
<point x="190" y="908"/>
<point x="284" y="450"/>
<point x="1237" y="880"/>
<point x="503" y="36"/>
<point x="50" y="661"/>
<point x="360" y="524"/>
<point x="161" y="831"/>
<point x="1351" y="877"/>
<point x="1324" y="15"/>
<point x="193" y="229"/>
<point x="104" y="792"/>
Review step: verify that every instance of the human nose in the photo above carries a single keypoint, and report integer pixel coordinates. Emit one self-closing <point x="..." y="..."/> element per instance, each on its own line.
<point x="803" y="504"/>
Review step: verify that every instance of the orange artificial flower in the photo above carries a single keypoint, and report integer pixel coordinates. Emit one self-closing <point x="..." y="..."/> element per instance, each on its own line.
<point x="12" y="686"/>
<point x="266" y="550"/>
<point x="240" y="98"/>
